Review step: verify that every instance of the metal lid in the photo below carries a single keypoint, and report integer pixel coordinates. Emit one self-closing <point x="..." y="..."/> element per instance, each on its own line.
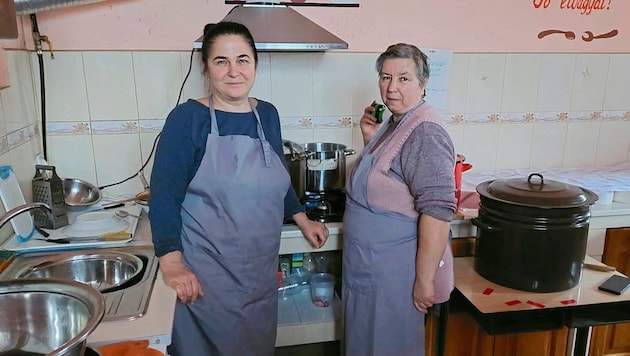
<point x="537" y="191"/>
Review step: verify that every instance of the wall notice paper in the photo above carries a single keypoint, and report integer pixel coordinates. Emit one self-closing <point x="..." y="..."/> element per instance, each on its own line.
<point x="439" y="68"/>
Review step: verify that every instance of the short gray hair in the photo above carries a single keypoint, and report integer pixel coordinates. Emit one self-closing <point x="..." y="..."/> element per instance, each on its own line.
<point x="404" y="50"/>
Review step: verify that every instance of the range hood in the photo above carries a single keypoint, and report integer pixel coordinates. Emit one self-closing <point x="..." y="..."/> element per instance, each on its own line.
<point x="280" y="28"/>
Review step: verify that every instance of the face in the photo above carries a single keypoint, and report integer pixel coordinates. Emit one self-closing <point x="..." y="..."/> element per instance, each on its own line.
<point x="231" y="68"/>
<point x="399" y="86"/>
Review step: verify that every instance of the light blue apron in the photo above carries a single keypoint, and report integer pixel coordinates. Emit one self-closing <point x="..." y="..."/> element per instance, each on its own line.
<point x="232" y="221"/>
<point x="379" y="254"/>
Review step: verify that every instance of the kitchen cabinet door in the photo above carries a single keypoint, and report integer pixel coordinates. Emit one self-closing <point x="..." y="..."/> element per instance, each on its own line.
<point x="614" y="339"/>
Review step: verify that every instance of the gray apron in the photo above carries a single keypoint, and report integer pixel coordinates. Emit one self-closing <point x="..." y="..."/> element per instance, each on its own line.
<point x="231" y="225"/>
<point x="379" y="254"/>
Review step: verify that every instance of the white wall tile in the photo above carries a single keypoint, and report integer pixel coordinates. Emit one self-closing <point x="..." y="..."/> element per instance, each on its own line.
<point x="522" y="72"/>
<point x="548" y="144"/>
<point x="146" y="145"/>
<point x="110" y="85"/>
<point x="73" y="155"/>
<point x="3" y="127"/>
<point x="292" y="83"/>
<point x="515" y="142"/>
<point x="364" y="82"/>
<point x="485" y="83"/>
<point x="589" y="82"/>
<point x="613" y="143"/>
<point x="18" y="99"/>
<point x="456" y="97"/>
<point x="158" y="78"/>
<point x="66" y="95"/>
<point x="195" y="85"/>
<point x="618" y="83"/>
<point x="457" y="135"/>
<point x="332" y="84"/>
<point x="299" y="136"/>
<point x="480" y="145"/>
<point x="117" y="157"/>
<point x="581" y="146"/>
<point x="341" y="136"/>
<point x="262" y="85"/>
<point x="554" y="86"/>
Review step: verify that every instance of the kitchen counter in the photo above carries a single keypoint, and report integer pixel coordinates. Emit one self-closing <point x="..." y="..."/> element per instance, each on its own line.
<point x="501" y="310"/>
<point x="157" y="323"/>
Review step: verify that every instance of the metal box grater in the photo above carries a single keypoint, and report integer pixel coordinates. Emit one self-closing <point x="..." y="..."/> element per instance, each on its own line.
<point x="48" y="188"/>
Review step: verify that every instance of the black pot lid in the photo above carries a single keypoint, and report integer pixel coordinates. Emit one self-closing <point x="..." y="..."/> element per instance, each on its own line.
<point x="537" y="191"/>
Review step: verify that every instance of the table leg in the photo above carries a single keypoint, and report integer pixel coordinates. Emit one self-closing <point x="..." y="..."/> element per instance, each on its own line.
<point x="582" y="338"/>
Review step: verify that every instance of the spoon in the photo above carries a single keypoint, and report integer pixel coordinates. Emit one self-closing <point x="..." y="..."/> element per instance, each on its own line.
<point x="124" y="213"/>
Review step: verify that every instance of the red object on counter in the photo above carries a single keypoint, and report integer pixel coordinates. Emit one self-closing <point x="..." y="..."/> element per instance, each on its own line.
<point x="460" y="168"/>
<point x="488" y="291"/>
<point x="513" y="302"/>
<point x="535" y="304"/>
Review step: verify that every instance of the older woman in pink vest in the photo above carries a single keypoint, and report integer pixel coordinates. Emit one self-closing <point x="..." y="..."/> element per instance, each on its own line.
<point x="397" y="261"/>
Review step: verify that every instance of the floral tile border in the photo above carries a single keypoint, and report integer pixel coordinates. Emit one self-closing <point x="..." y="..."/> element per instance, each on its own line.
<point x="19" y="137"/>
<point x="333" y="122"/>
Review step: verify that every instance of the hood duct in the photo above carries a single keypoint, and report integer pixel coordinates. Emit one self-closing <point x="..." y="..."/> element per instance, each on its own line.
<point x="25" y="7"/>
<point x="280" y="28"/>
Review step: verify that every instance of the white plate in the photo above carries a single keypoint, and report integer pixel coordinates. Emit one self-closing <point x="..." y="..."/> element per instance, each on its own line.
<point x="94" y="224"/>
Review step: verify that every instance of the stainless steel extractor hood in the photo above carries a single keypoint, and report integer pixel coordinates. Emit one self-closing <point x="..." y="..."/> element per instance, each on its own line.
<point x="24" y="7"/>
<point x="280" y="28"/>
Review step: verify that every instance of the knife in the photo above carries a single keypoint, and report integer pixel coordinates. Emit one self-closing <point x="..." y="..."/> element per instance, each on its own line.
<point x="110" y="236"/>
<point x="598" y="267"/>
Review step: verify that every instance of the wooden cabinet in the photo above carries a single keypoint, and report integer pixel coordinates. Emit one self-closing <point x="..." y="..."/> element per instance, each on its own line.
<point x="465" y="337"/>
<point x="614" y="339"/>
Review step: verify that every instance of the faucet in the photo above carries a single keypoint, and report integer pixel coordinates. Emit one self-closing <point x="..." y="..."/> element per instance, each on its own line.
<point x="21" y="209"/>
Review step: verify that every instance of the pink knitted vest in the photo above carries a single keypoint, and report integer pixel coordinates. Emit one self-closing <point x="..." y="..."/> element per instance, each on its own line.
<point x="388" y="193"/>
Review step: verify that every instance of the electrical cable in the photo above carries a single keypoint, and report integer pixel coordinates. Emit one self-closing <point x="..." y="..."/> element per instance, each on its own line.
<point x="181" y="89"/>
<point x="42" y="86"/>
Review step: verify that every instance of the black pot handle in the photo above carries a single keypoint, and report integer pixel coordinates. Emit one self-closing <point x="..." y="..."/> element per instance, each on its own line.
<point x="542" y="180"/>
<point x="482" y="225"/>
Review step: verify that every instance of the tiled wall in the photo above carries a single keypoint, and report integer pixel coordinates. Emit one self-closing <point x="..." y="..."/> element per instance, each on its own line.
<point x="104" y="109"/>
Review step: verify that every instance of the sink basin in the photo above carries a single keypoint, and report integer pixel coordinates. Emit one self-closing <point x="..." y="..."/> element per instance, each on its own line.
<point x="124" y="275"/>
<point x="106" y="271"/>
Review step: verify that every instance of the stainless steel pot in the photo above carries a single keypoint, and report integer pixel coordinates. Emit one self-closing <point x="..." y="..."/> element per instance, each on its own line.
<point x="532" y="233"/>
<point x="325" y="167"/>
<point x="48" y="316"/>
<point x="295" y="158"/>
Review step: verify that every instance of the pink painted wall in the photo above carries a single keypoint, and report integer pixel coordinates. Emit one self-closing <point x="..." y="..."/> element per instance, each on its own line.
<point x="463" y="26"/>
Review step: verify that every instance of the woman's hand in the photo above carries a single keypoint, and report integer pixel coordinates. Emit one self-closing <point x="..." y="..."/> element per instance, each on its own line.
<point x="423" y="295"/>
<point x="368" y="124"/>
<point x="315" y="232"/>
<point x="177" y="276"/>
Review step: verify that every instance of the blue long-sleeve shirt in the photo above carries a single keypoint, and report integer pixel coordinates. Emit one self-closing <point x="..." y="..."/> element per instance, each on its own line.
<point x="178" y="155"/>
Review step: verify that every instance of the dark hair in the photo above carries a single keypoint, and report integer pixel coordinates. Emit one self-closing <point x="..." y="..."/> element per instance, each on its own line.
<point x="211" y="31"/>
<point x="404" y="50"/>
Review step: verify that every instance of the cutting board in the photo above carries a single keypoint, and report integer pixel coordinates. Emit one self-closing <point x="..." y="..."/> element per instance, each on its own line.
<point x="12" y="196"/>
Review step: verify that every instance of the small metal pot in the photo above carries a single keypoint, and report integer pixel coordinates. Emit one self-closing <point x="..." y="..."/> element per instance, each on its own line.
<point x="326" y="166"/>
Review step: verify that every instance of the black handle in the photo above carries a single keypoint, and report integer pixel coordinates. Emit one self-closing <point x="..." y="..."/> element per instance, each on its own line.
<point x="482" y="225"/>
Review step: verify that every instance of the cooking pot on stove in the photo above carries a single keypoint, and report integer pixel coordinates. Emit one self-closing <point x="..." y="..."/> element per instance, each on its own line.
<point x="295" y="158"/>
<point x="532" y="233"/>
<point x="325" y="167"/>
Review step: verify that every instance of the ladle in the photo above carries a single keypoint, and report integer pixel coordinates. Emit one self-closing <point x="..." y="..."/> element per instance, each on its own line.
<point x="124" y="213"/>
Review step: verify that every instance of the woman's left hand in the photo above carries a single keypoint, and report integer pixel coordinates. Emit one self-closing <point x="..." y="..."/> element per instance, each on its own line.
<point x="315" y="232"/>
<point x="423" y="295"/>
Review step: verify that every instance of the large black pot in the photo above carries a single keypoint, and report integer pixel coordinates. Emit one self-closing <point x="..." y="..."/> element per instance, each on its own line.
<point x="532" y="233"/>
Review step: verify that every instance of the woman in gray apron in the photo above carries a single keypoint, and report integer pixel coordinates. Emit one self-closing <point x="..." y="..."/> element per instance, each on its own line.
<point x="219" y="193"/>
<point x="401" y="198"/>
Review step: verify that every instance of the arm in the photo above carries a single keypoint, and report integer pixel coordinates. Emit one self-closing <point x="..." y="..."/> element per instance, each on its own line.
<point x="427" y="165"/>
<point x="431" y="246"/>
<point x="315" y="232"/>
<point x="176" y="161"/>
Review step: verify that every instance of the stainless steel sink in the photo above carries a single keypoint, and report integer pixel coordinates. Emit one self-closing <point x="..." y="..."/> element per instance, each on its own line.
<point x="126" y="292"/>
